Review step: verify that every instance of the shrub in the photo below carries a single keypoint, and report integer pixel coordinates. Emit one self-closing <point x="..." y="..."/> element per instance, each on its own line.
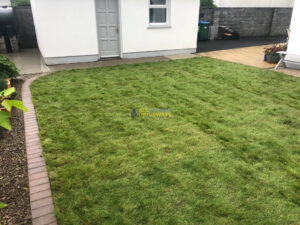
<point x="208" y="3"/>
<point x="20" y="2"/>
<point x="7" y="70"/>
<point x="3" y="84"/>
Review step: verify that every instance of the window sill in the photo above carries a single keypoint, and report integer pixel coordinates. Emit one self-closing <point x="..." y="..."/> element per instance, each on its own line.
<point x="159" y="26"/>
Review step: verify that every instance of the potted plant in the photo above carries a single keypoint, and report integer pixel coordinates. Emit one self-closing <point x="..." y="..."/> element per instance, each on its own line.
<point x="271" y="54"/>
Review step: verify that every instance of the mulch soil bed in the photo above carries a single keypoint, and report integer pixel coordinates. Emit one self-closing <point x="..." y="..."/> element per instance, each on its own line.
<point x="14" y="188"/>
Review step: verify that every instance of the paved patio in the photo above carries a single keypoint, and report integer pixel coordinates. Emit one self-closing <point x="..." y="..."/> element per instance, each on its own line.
<point x="251" y="56"/>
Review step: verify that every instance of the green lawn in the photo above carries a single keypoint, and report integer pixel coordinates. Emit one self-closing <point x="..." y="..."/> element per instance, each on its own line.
<point x="228" y="155"/>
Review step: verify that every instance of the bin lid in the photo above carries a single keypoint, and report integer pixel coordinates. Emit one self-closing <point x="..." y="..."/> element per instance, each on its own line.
<point x="204" y="22"/>
<point x="6" y="15"/>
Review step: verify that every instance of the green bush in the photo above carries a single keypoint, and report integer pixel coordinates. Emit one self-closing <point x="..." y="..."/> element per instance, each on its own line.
<point x="7" y="70"/>
<point x="20" y="2"/>
<point x="207" y="3"/>
<point x="3" y="84"/>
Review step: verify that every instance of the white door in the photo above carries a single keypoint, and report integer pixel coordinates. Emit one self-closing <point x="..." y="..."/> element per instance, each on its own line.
<point x="108" y="27"/>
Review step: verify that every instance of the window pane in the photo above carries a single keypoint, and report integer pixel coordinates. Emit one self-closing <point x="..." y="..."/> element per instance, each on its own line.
<point x="157" y="2"/>
<point x="158" y="15"/>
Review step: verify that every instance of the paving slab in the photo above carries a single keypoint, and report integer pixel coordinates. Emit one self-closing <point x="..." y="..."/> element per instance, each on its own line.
<point x="251" y="56"/>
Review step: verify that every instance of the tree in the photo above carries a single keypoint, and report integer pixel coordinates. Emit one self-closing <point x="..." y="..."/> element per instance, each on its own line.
<point x="20" y="2"/>
<point x="207" y="3"/>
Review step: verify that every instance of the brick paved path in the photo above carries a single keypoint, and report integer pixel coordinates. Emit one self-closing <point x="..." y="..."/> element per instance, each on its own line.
<point x="40" y="193"/>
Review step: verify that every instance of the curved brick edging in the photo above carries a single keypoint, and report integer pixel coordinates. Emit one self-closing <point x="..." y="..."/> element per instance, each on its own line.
<point x="41" y="202"/>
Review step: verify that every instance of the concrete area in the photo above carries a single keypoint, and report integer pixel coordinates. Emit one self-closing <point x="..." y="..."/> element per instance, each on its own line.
<point x="30" y="61"/>
<point x="292" y="72"/>
<point x="108" y="62"/>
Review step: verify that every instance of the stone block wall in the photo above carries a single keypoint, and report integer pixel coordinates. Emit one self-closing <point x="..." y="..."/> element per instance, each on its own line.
<point x="281" y="21"/>
<point x="250" y="22"/>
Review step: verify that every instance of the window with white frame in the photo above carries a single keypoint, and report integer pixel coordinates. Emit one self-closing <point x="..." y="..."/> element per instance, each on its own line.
<point x="159" y="12"/>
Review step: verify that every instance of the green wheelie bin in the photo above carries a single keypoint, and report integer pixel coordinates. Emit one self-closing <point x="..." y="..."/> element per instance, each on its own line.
<point x="203" y="32"/>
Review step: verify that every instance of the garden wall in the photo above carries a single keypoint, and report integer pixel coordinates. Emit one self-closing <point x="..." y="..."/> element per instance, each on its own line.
<point x="26" y="30"/>
<point x="250" y="22"/>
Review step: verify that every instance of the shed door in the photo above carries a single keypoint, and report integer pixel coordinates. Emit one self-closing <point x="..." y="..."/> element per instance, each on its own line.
<point x="108" y="27"/>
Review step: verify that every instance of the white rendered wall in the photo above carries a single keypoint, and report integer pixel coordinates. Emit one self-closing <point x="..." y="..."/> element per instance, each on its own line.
<point x="4" y="3"/>
<point x="137" y="37"/>
<point x="254" y="3"/>
<point x="65" y="27"/>
<point x="294" y="40"/>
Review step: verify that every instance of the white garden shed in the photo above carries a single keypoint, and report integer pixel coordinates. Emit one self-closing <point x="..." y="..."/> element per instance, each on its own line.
<point x="70" y="31"/>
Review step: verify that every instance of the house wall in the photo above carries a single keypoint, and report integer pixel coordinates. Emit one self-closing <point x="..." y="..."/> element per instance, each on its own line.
<point x="4" y="3"/>
<point x="254" y="3"/>
<point x="138" y="37"/>
<point x="67" y="31"/>
<point x="294" y="43"/>
<point x="66" y="28"/>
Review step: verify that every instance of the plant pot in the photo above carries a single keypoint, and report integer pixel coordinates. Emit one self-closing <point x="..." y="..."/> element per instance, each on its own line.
<point x="273" y="58"/>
